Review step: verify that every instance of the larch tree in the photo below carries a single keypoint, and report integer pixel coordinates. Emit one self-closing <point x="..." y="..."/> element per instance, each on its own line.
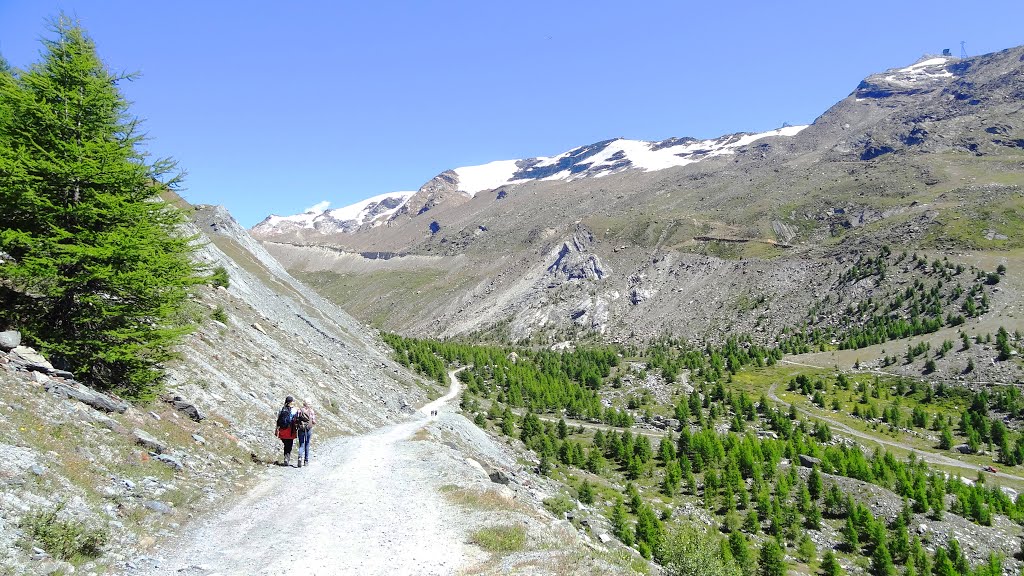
<point x="93" y="267"/>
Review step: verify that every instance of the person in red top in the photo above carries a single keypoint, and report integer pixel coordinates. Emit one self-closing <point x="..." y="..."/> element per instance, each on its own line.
<point x="285" y="429"/>
<point x="305" y="419"/>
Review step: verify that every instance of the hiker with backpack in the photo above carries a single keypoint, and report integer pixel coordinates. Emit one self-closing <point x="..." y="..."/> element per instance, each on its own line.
<point x="286" y="429"/>
<point x="305" y="418"/>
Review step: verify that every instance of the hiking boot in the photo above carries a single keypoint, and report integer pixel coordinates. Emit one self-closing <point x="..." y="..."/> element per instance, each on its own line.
<point x="300" y="461"/>
<point x="287" y="458"/>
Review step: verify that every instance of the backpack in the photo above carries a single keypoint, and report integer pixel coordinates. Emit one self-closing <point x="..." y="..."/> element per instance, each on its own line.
<point x="302" y="420"/>
<point x="284" y="417"/>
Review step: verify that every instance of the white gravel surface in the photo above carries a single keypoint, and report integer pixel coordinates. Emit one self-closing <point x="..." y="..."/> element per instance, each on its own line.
<point x="366" y="505"/>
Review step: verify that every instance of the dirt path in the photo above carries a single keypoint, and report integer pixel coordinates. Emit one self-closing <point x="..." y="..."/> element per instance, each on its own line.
<point x="366" y="505"/>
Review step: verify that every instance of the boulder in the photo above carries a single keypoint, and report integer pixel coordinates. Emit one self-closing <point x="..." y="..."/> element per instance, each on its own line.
<point x="170" y="461"/>
<point x="109" y="423"/>
<point x="9" y="340"/>
<point x="30" y="359"/>
<point x="809" y="461"/>
<point x="158" y="506"/>
<point x="142" y="438"/>
<point x="86" y="395"/>
<point x="187" y="408"/>
<point x="499" y="477"/>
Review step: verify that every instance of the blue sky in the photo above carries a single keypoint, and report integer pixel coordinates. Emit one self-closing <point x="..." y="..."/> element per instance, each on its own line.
<point x="273" y="107"/>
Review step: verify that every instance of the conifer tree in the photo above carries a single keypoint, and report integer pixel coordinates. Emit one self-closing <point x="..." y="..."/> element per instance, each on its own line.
<point x="881" y="561"/>
<point x="829" y="565"/>
<point x="771" y="560"/>
<point x="93" y="271"/>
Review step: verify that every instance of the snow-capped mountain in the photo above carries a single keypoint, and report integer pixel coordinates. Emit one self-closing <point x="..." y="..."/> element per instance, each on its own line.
<point x="369" y="212"/>
<point x="593" y="161"/>
<point x="603" y="158"/>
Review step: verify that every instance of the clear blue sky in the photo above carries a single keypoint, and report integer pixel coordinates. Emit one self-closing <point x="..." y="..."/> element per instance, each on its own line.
<point x="273" y="107"/>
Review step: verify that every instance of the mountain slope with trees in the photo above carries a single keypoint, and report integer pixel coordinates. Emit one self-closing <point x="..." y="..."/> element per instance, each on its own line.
<point x="923" y="159"/>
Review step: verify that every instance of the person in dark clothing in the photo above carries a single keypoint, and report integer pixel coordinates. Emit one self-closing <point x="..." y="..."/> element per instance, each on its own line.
<point x="285" y="429"/>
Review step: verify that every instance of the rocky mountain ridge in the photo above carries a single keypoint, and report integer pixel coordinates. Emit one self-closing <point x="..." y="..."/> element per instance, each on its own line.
<point x="590" y="161"/>
<point x="921" y="158"/>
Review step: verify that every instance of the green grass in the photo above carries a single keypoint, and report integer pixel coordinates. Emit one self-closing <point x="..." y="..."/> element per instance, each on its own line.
<point x="967" y="227"/>
<point x="757" y="381"/>
<point x="500" y="539"/>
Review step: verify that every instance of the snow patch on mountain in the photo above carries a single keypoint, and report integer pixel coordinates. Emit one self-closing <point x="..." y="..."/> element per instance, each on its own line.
<point x="921" y="71"/>
<point x="603" y="158"/>
<point x="371" y="208"/>
<point x="371" y="211"/>
<point x="473" y="179"/>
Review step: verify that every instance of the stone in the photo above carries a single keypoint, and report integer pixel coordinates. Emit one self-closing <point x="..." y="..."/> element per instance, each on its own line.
<point x="476" y="465"/>
<point x="171" y="461"/>
<point x="499" y="477"/>
<point x="809" y="461"/>
<point x="604" y="538"/>
<point x="39" y="377"/>
<point x="38" y="470"/>
<point x="109" y="423"/>
<point x="86" y="395"/>
<point x="145" y="440"/>
<point x="200" y="440"/>
<point x="188" y="409"/>
<point x="30" y="358"/>
<point x="9" y="340"/>
<point x="158" y="506"/>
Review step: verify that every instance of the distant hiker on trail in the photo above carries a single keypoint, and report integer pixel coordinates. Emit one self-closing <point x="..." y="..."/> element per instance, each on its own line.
<point x="305" y="419"/>
<point x="286" y="429"/>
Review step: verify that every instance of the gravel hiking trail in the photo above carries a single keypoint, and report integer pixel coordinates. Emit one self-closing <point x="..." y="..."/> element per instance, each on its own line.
<point x="366" y="505"/>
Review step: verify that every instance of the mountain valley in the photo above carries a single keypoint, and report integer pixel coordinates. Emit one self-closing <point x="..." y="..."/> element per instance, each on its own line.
<point x="797" y="351"/>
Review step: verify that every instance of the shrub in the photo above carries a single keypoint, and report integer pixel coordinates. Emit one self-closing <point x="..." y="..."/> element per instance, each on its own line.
<point x="219" y="277"/>
<point x="689" y="551"/>
<point x="559" y="505"/>
<point x="63" y="538"/>
<point x="220" y="315"/>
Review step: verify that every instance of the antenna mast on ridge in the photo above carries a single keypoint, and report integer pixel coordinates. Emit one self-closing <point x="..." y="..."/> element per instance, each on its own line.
<point x="963" y="52"/>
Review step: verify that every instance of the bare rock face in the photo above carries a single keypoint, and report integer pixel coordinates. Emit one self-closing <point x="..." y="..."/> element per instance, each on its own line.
<point x="574" y="261"/>
<point x="439" y="189"/>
